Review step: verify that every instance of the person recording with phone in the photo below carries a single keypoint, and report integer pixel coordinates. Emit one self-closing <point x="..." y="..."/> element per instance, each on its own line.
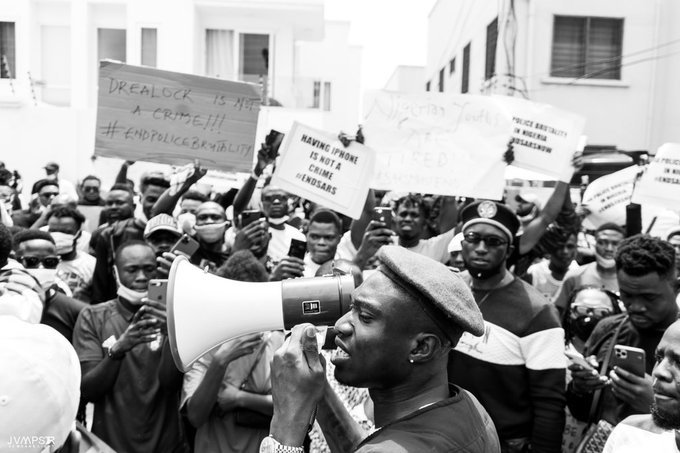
<point x="645" y="269"/>
<point x="321" y="245"/>
<point x="273" y="202"/>
<point x="126" y="373"/>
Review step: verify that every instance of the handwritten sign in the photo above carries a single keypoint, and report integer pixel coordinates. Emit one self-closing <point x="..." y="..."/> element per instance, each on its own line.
<point x="660" y="184"/>
<point x="316" y="166"/>
<point x="437" y="143"/>
<point x="172" y="118"/>
<point x="607" y="197"/>
<point x="544" y="137"/>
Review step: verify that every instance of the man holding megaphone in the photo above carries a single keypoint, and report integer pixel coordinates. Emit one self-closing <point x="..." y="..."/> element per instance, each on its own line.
<point x="395" y="340"/>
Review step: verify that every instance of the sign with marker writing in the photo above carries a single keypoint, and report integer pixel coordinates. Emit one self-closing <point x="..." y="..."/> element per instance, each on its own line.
<point x="660" y="184"/>
<point x="607" y="197"/>
<point x="172" y="118"/>
<point x="544" y="137"/>
<point x="316" y="166"/>
<point x="437" y="143"/>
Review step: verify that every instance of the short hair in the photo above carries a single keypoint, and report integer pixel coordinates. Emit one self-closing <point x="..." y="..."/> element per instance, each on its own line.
<point x="66" y="212"/>
<point x="244" y="267"/>
<point x="641" y="254"/>
<point x="93" y="177"/>
<point x="610" y="226"/>
<point x="123" y="187"/>
<point x="195" y="195"/>
<point x="326" y="216"/>
<point x="5" y="244"/>
<point x="413" y="199"/>
<point x="5" y="176"/>
<point x="153" y="179"/>
<point x="44" y="182"/>
<point x="29" y="235"/>
<point x="129" y="243"/>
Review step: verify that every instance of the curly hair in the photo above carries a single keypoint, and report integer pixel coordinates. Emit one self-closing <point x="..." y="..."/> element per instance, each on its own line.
<point x="412" y="199"/>
<point x="641" y="254"/>
<point x="244" y="267"/>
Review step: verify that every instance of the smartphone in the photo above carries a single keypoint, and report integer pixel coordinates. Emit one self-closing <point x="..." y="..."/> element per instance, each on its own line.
<point x="250" y="216"/>
<point x="158" y="290"/>
<point x="274" y="139"/>
<point x="578" y="359"/>
<point x="383" y="215"/>
<point x="630" y="359"/>
<point x="297" y="248"/>
<point x="186" y="245"/>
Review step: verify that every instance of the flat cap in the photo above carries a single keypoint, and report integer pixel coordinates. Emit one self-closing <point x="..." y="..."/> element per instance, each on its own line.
<point x="435" y="286"/>
<point x="491" y="213"/>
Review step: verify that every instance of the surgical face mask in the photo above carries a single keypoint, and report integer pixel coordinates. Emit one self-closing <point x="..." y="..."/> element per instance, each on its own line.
<point x="131" y="295"/>
<point x="605" y="263"/>
<point x="211" y="232"/>
<point x="583" y="326"/>
<point x="45" y="276"/>
<point x="186" y="222"/>
<point x="278" y="221"/>
<point x="65" y="242"/>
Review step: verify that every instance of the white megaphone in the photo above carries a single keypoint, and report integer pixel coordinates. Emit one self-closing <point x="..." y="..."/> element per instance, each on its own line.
<point x="205" y="310"/>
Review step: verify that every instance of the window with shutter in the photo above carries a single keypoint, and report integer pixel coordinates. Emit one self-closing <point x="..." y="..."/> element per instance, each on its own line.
<point x="587" y="47"/>
<point x="491" y="39"/>
<point x="465" y="81"/>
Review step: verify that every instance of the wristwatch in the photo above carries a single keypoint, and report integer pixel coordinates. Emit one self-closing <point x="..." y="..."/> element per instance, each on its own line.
<point x="271" y="445"/>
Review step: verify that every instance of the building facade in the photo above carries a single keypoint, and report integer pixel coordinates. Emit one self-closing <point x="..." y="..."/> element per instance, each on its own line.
<point x="51" y="49"/>
<point x="611" y="61"/>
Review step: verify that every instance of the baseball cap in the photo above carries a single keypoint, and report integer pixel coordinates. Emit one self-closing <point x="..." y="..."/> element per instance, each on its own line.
<point x="161" y="222"/>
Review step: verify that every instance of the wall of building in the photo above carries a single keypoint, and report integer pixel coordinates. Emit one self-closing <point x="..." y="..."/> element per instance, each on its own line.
<point x="407" y="79"/>
<point x="34" y="132"/>
<point x="637" y="112"/>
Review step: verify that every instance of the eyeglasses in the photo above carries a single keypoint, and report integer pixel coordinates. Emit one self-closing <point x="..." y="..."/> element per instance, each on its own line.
<point x="272" y="197"/>
<point x="597" y="312"/>
<point x="475" y="238"/>
<point x="90" y="189"/>
<point x="49" y="194"/>
<point x="48" y="262"/>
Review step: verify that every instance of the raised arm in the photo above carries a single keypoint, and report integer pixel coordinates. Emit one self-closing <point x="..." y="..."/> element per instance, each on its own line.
<point x="166" y="202"/>
<point x="533" y="232"/>
<point x="265" y="156"/>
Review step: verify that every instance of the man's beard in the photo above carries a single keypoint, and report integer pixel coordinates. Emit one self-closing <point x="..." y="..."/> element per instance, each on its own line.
<point x="484" y="274"/>
<point x="665" y="420"/>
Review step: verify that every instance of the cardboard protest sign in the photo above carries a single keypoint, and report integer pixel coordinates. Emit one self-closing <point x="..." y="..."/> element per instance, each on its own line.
<point x="544" y="137"/>
<point x="437" y="143"/>
<point x="660" y="184"/>
<point x="607" y="197"/>
<point x="316" y="166"/>
<point x="173" y="118"/>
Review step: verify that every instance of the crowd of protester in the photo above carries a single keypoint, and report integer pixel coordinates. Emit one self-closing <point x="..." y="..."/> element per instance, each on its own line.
<point x="525" y="321"/>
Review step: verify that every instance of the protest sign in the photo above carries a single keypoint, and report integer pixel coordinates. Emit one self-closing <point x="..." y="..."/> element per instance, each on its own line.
<point x="316" y="166"/>
<point x="660" y="183"/>
<point x="544" y="137"/>
<point x="607" y="197"/>
<point x="91" y="214"/>
<point x="173" y="118"/>
<point x="437" y="143"/>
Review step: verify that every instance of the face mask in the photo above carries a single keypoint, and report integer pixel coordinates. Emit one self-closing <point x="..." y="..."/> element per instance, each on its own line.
<point x="65" y="242"/>
<point x="186" y="222"/>
<point x="279" y="221"/>
<point x="482" y="274"/>
<point x="131" y="295"/>
<point x="606" y="263"/>
<point x="45" y="276"/>
<point x="583" y="326"/>
<point x="211" y="232"/>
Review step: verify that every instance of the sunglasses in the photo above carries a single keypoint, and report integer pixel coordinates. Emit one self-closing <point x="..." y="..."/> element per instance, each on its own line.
<point x="48" y="262"/>
<point x="491" y="241"/>
<point x="597" y="312"/>
<point x="90" y="189"/>
<point x="270" y="198"/>
<point x="49" y="194"/>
